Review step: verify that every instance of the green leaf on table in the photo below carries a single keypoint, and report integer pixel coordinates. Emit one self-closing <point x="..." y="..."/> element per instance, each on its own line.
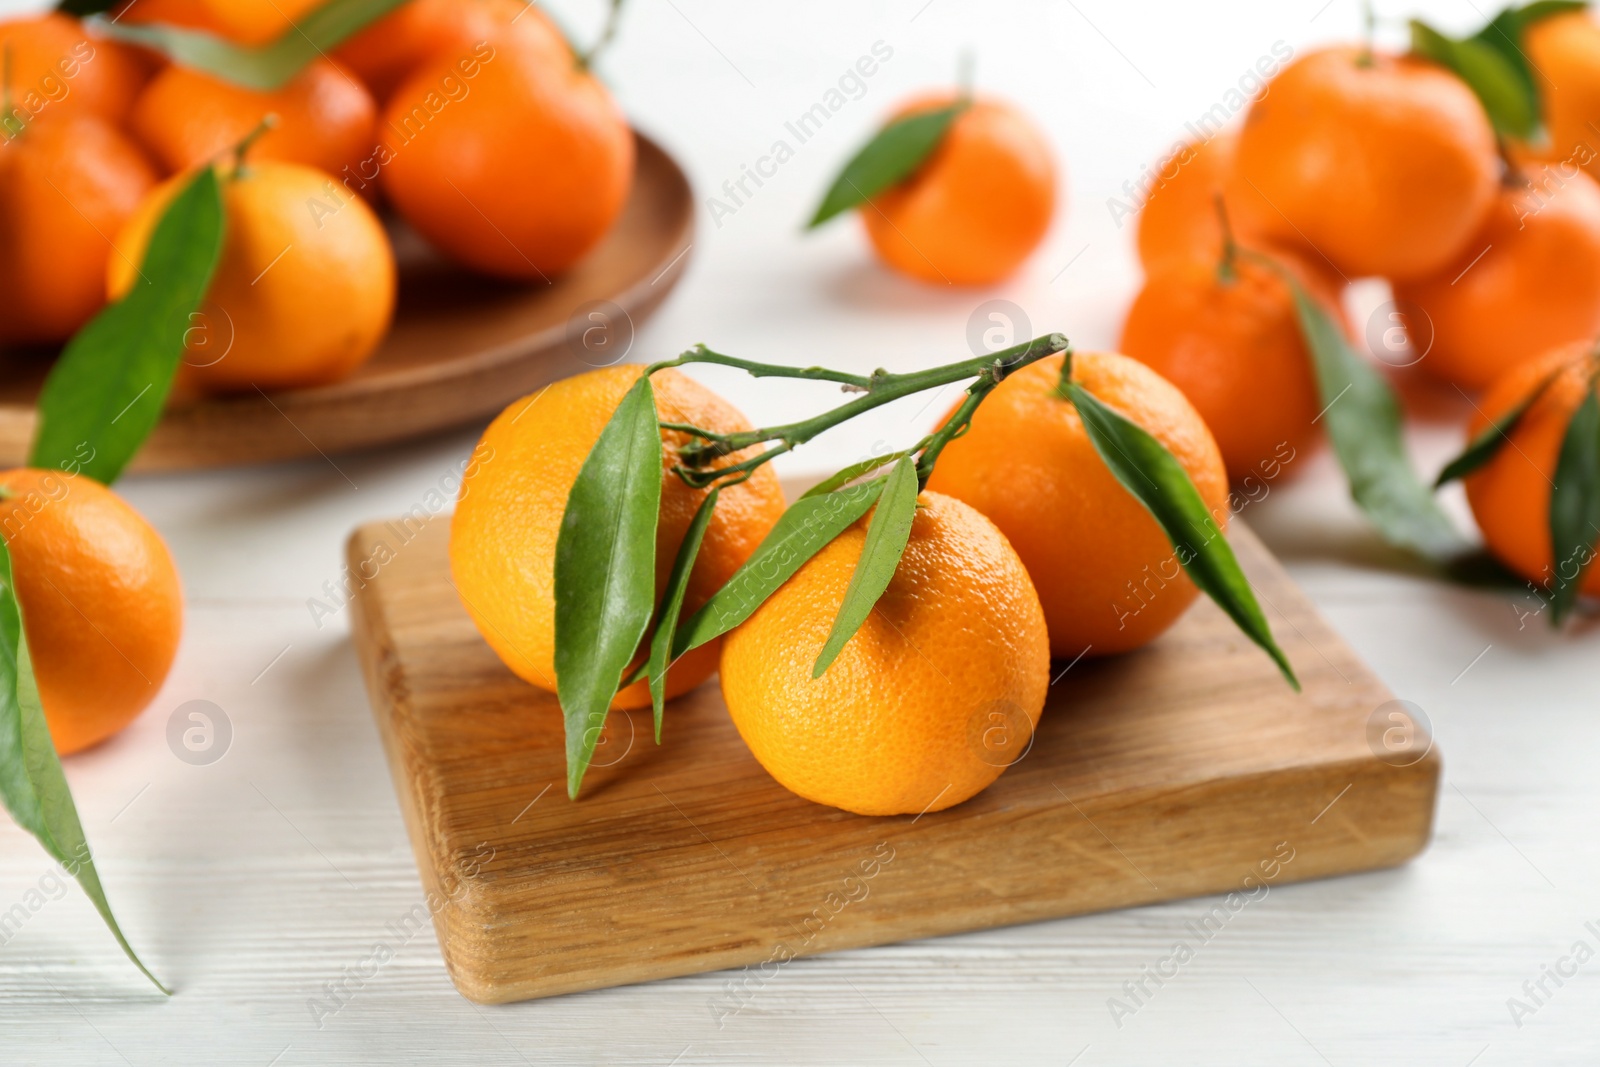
<point x="1363" y="419"/>
<point x="800" y="533"/>
<point x="266" y="67"/>
<point x="1509" y="97"/>
<point x="1488" y="442"/>
<point x="892" y="156"/>
<point x="854" y="471"/>
<point x="1158" y="481"/>
<point x="1575" y="506"/>
<point x="887" y="536"/>
<point x="106" y="392"/>
<point x="32" y="784"/>
<point x="672" y="606"/>
<point x="606" y="570"/>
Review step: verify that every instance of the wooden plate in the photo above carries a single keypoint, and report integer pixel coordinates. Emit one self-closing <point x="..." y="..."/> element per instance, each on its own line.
<point x="1185" y="768"/>
<point x="461" y="349"/>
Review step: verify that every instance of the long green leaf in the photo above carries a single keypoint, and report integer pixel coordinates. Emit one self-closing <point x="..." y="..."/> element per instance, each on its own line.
<point x="1488" y="442"/>
<point x="672" y="606"/>
<point x="1508" y="96"/>
<point x="267" y="67"/>
<point x="1158" y="481"/>
<point x="1575" y="506"/>
<point x="106" y="392"/>
<point x="31" y="782"/>
<point x="887" y="536"/>
<point x="606" y="570"/>
<point x="892" y="156"/>
<point x="856" y="470"/>
<point x="801" y="532"/>
<point x="1364" y="424"/>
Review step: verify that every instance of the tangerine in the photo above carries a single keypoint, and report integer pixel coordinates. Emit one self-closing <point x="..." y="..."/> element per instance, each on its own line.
<point x="1385" y="165"/>
<point x="1229" y="337"/>
<point x="1564" y="55"/>
<point x="246" y="22"/>
<point x="301" y="296"/>
<point x="57" y="69"/>
<point x="503" y="535"/>
<point x="936" y="694"/>
<point x="976" y="207"/>
<point x="1510" y="495"/>
<point x="1528" y="281"/>
<point x="66" y="188"/>
<point x="101" y="605"/>
<point x="469" y="167"/>
<point x="387" y="52"/>
<point x="188" y="118"/>
<point x="1107" y="576"/>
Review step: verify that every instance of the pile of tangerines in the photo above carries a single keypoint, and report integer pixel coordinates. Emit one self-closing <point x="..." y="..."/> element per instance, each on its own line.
<point x="472" y="119"/>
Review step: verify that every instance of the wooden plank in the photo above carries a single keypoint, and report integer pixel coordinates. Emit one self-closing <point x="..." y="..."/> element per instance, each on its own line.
<point x="1185" y="768"/>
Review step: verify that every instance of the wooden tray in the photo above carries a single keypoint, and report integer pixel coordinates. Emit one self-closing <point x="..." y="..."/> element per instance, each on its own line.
<point x="1186" y="768"/>
<point x="462" y="347"/>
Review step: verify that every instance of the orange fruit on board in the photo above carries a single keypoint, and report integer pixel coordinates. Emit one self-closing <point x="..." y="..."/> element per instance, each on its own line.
<point x="1385" y="165"/>
<point x="300" y="297"/>
<point x="248" y="22"/>
<point x="1230" y="339"/>
<point x="935" y="695"/>
<point x="1510" y="495"/>
<point x="386" y="53"/>
<point x="325" y="118"/>
<point x="1526" y="283"/>
<point x="101" y="606"/>
<point x="979" y="204"/>
<point x="469" y="144"/>
<point x="67" y="185"/>
<point x="1106" y="574"/>
<point x="503" y="535"/>
<point x="1564" y="54"/>
<point x="57" y="69"/>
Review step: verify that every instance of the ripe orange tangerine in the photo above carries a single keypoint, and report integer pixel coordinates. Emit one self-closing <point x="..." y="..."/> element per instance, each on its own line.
<point x="101" y="605"/>
<point x="977" y="207"/>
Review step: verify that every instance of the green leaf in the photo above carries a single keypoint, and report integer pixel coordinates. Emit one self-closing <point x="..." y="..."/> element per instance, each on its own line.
<point x="31" y="782"/>
<point x="1158" y="481"/>
<point x="800" y="533"/>
<point x="106" y="392"/>
<point x="606" y="570"/>
<point x="854" y="471"/>
<point x="267" y="67"/>
<point x="1575" y="506"/>
<point x="1503" y="85"/>
<point x="1490" y="440"/>
<point x="887" y="536"/>
<point x="888" y="159"/>
<point x="1364" y="424"/>
<point x="672" y="606"/>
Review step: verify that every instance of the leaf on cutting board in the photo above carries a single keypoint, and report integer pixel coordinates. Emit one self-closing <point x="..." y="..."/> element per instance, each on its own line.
<point x="266" y="67"/>
<point x="32" y="784"/>
<point x="672" y="606"/>
<point x="892" y="156"/>
<point x="1158" y="481"/>
<point x="107" y="390"/>
<point x="605" y="570"/>
<point x="1575" y="506"/>
<point x="887" y="536"/>
<point x="800" y="533"/>
<point x="1363" y="420"/>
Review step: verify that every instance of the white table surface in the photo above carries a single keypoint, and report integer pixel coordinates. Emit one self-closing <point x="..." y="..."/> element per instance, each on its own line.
<point x="252" y="882"/>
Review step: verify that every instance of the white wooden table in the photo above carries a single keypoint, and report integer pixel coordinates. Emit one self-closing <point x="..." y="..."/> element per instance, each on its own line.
<point x="258" y="883"/>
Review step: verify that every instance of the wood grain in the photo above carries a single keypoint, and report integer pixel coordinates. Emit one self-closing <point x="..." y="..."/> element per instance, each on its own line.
<point x="462" y="347"/>
<point x="1183" y="769"/>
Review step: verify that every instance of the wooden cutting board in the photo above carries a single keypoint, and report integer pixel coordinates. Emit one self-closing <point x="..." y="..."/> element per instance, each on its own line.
<point x="1185" y="768"/>
<point x="462" y="346"/>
